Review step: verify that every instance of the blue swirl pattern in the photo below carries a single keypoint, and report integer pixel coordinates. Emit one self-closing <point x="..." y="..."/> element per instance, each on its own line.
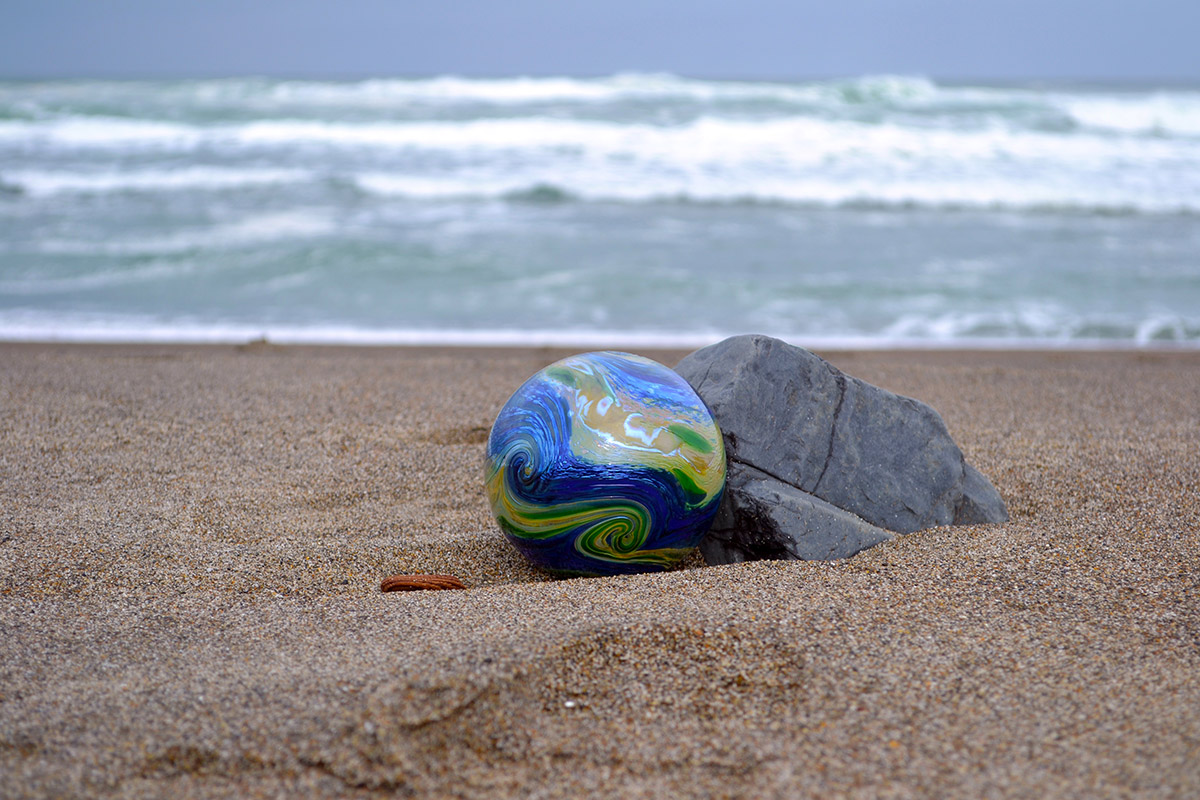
<point x="605" y="463"/>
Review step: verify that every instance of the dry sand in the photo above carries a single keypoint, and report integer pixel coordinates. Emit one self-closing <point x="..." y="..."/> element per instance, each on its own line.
<point x="192" y="539"/>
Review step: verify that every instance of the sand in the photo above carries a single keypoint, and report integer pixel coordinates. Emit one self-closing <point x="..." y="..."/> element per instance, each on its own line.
<point x="192" y="540"/>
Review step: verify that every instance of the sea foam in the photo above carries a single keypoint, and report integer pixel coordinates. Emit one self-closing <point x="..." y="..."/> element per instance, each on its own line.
<point x="630" y="208"/>
<point x="789" y="160"/>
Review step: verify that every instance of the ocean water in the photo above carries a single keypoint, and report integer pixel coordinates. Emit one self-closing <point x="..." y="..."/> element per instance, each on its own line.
<point x="635" y="209"/>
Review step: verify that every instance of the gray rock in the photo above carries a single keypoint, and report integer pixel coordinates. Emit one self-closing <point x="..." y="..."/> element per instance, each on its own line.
<point x="800" y="431"/>
<point x="765" y="518"/>
<point x="981" y="503"/>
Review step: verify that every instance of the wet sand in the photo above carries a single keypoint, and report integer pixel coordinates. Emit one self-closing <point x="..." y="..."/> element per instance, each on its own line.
<point x="192" y="540"/>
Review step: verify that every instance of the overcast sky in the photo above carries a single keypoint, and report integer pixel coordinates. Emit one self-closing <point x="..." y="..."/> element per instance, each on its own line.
<point x="1138" y="40"/>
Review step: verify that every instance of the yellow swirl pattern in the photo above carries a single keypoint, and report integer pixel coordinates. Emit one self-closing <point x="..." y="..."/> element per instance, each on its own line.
<point x="605" y="459"/>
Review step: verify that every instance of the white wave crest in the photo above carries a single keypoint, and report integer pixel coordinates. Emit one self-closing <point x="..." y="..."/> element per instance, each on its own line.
<point x="48" y="182"/>
<point x="663" y="87"/>
<point x="1161" y="113"/>
<point x="802" y="161"/>
<point x="797" y="137"/>
<point x="1011" y="148"/>
<point x="101" y="132"/>
<point x="77" y="326"/>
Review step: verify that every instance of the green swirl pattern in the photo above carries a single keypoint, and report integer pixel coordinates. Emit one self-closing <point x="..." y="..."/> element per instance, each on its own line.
<point x="605" y="463"/>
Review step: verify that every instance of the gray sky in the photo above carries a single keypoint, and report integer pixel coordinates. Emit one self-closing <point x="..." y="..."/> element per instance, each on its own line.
<point x="1146" y="40"/>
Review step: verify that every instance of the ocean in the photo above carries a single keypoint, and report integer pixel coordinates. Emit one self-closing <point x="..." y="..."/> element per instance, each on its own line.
<point x="632" y="210"/>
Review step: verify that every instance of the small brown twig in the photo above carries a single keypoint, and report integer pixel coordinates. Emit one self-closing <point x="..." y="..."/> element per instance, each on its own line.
<point x="415" y="583"/>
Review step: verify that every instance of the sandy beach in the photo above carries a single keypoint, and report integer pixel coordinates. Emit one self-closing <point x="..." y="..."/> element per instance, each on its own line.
<point x="192" y="540"/>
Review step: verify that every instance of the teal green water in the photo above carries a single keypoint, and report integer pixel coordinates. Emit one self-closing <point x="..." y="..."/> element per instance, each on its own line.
<point x="636" y="209"/>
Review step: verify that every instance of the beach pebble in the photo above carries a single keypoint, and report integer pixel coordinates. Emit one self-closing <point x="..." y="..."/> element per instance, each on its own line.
<point x="809" y="446"/>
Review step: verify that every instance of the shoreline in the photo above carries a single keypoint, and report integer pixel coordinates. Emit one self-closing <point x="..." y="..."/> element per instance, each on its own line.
<point x="603" y="341"/>
<point x="193" y="537"/>
<point x="908" y="350"/>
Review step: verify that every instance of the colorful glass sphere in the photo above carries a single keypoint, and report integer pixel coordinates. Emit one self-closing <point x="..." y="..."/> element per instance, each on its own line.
<point x="605" y="463"/>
